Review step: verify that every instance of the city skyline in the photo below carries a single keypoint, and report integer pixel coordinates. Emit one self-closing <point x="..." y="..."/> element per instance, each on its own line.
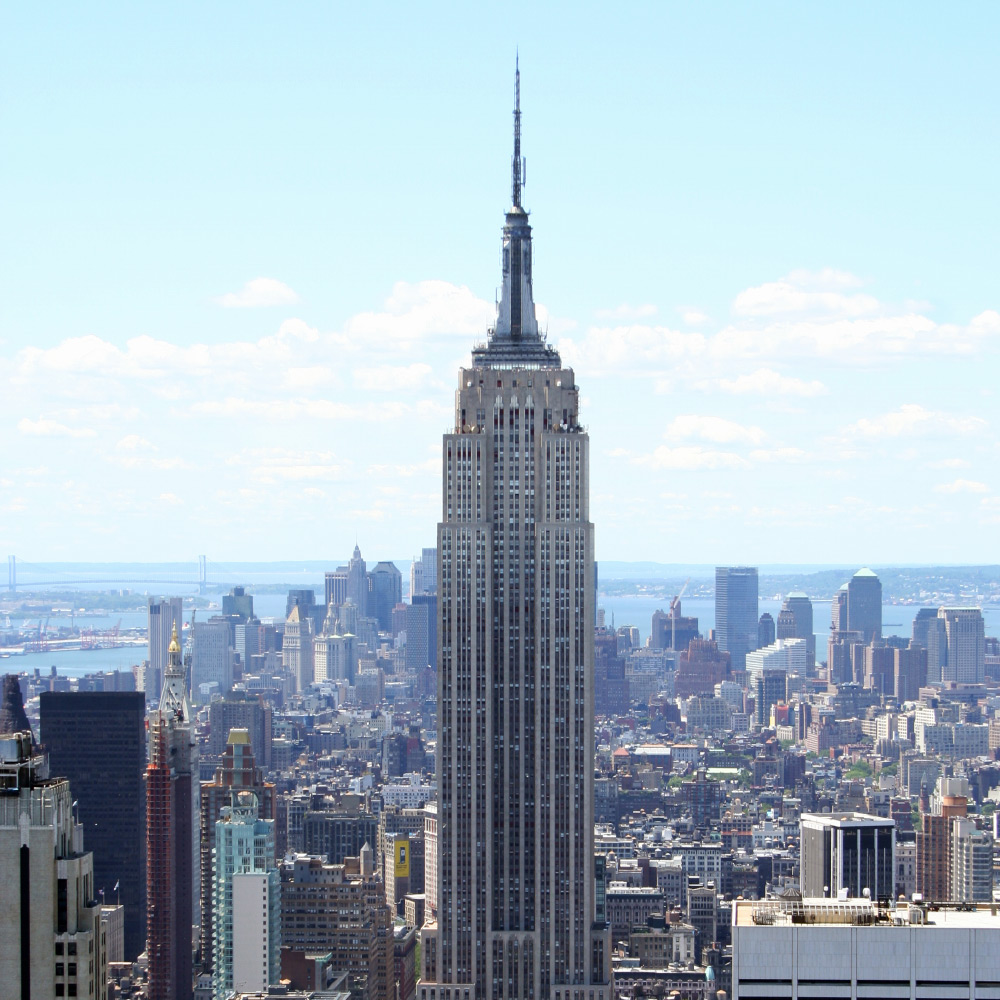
<point x="768" y="254"/>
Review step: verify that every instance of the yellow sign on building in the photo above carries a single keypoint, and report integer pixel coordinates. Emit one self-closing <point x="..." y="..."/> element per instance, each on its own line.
<point x="402" y="858"/>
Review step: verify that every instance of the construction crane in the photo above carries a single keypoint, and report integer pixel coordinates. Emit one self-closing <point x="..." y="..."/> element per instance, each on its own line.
<point x="675" y="610"/>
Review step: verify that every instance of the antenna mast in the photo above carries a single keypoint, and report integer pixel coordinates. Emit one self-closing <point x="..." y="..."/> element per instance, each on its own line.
<point x="517" y="163"/>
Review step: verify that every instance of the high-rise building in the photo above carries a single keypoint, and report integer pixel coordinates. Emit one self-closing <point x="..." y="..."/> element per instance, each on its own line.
<point x="847" y="851"/>
<point x="516" y="912"/>
<point x="97" y="741"/>
<point x="736" y="612"/>
<point x="51" y="943"/>
<point x="864" y="605"/>
<point x="929" y="632"/>
<point x="672" y="630"/>
<point x="335" y="655"/>
<point x="171" y="843"/>
<point x="966" y="645"/>
<point x="798" y="622"/>
<point x="297" y="650"/>
<point x="423" y="573"/>
<point x="430" y="602"/>
<point x="237" y="773"/>
<point x="246" y="898"/>
<point x="244" y="712"/>
<point x="340" y="908"/>
<point x="211" y="659"/>
<point x="163" y="616"/>
<point x="767" y="630"/>
<point x="385" y="584"/>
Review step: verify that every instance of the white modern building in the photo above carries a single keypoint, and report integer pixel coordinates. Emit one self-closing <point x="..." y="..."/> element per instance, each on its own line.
<point x="854" y="950"/>
<point x="788" y="655"/>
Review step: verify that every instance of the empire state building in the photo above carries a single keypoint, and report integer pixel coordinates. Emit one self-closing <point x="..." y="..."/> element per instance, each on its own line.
<point x="519" y="908"/>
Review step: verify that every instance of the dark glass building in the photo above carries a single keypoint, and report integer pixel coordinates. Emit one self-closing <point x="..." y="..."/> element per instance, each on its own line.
<point x="98" y="741"/>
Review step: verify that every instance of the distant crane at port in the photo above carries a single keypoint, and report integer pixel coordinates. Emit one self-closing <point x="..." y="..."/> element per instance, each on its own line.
<point x="675" y="610"/>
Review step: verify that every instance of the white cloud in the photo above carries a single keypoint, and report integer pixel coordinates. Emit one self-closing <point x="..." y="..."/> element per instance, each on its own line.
<point x="805" y="292"/>
<point x="912" y="418"/>
<point x="170" y="498"/>
<point x="767" y="382"/>
<point x="133" y="442"/>
<point x="636" y="349"/>
<point x="299" y="379"/>
<point x="52" y="428"/>
<point x="693" y="316"/>
<point x="690" y="458"/>
<point x="962" y="486"/>
<point x="424" y="309"/>
<point x="627" y="312"/>
<point x="779" y="455"/>
<point x="257" y="293"/>
<point x="392" y="378"/>
<point x="950" y="463"/>
<point x="716" y="429"/>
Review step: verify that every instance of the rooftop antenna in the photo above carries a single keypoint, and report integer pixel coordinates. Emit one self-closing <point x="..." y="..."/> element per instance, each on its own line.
<point x="517" y="163"/>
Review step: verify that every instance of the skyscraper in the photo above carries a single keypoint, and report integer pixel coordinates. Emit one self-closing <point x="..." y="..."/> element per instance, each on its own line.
<point x="964" y="633"/>
<point x="736" y="612"/>
<point x="163" y="616"/>
<point x="97" y="741"/>
<point x="237" y="773"/>
<point x="385" y="585"/>
<point x="171" y="846"/>
<point x="864" y="605"/>
<point x="516" y="912"/>
<point x="245" y="900"/>
<point x="51" y="943"/>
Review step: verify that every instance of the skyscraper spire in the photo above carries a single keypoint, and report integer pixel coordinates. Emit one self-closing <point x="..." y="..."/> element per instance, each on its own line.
<point x="516" y="339"/>
<point x="517" y="163"/>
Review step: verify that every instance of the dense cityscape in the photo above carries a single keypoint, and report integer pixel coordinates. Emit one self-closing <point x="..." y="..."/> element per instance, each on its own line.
<point x="485" y="775"/>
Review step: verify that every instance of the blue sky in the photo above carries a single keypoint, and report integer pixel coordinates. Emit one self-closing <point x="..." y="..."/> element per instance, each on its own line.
<point x="245" y="248"/>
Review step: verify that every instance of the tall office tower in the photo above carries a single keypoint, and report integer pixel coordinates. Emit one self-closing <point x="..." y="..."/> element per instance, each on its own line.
<point x="335" y="656"/>
<point x="164" y="615"/>
<point x="357" y="581"/>
<point x="852" y="851"/>
<point x="929" y="632"/>
<point x="241" y="713"/>
<point x="417" y="624"/>
<point x="909" y="672"/>
<point x="246" y="901"/>
<point x="211" y="659"/>
<point x="838" y="610"/>
<point x="672" y="630"/>
<point x="297" y="651"/>
<point x="798" y="610"/>
<point x="767" y="630"/>
<point x="515" y="754"/>
<point x="970" y="863"/>
<point x="237" y="773"/>
<point x="97" y="741"/>
<point x="864" y="605"/>
<point x="385" y="585"/>
<point x="966" y="655"/>
<point x="12" y="715"/>
<point x="50" y="922"/>
<point x="340" y="908"/>
<point x="423" y="573"/>
<point x="238" y="604"/>
<point x="430" y="602"/>
<point x="171" y="844"/>
<point x="736" y="611"/>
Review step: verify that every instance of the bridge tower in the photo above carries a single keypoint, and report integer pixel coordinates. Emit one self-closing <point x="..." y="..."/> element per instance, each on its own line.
<point x="202" y="575"/>
<point x="12" y="574"/>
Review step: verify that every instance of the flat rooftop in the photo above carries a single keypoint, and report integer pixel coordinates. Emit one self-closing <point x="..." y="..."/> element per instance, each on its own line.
<point x="862" y="913"/>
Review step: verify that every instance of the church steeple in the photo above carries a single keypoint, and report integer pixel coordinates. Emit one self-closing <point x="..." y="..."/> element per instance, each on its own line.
<point x="516" y="340"/>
